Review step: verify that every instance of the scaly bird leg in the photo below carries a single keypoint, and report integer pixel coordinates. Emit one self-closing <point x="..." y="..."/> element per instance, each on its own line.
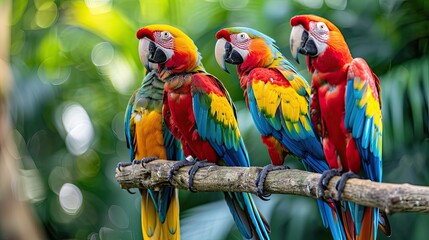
<point x="122" y="165"/>
<point x="148" y="160"/>
<point x="194" y="169"/>
<point x="342" y="182"/>
<point x="126" y="164"/>
<point x="188" y="161"/>
<point x="324" y="180"/>
<point x="262" y="175"/>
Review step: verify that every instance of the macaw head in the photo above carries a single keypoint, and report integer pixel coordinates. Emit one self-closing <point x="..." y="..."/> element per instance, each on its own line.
<point x="318" y="39"/>
<point x="244" y="47"/>
<point x="168" y="48"/>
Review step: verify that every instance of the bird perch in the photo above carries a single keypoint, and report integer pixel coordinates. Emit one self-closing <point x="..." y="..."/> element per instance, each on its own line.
<point x="391" y="198"/>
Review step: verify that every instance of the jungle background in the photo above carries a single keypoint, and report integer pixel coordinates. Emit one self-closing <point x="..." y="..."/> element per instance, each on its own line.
<point x="74" y="65"/>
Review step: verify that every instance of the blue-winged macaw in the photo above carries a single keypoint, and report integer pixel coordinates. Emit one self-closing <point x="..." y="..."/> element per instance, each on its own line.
<point x="198" y="110"/>
<point x="278" y="99"/>
<point x="148" y="138"/>
<point x="346" y="112"/>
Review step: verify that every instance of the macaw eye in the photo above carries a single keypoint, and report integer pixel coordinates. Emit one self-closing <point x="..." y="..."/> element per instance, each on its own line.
<point x="241" y="37"/>
<point x="321" y="26"/>
<point x="165" y="35"/>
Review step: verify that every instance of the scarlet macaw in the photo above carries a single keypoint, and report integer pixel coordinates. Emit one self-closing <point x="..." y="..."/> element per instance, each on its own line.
<point x="278" y="99"/>
<point x="346" y="112"/>
<point x="198" y="110"/>
<point x="148" y="138"/>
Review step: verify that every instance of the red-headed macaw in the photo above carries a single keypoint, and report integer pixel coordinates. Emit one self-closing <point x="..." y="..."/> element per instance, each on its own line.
<point x="346" y="113"/>
<point x="278" y="99"/>
<point x="198" y="110"/>
<point x="148" y="138"/>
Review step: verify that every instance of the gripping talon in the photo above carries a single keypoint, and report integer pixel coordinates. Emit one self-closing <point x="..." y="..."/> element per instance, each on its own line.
<point x="342" y="182"/>
<point x="189" y="160"/>
<point x="260" y="179"/>
<point x="194" y="169"/>
<point x="324" y="181"/>
<point x="148" y="160"/>
<point x="129" y="191"/>
<point x="122" y="164"/>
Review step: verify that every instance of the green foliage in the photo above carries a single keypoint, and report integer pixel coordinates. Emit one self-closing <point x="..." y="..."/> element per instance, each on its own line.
<point x="75" y="64"/>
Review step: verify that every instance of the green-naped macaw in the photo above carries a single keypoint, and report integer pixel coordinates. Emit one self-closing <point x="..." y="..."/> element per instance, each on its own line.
<point x="198" y="110"/>
<point x="346" y="113"/>
<point x="147" y="136"/>
<point x="278" y="99"/>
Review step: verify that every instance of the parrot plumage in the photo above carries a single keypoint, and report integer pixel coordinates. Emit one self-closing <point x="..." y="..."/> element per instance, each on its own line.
<point x="346" y="113"/>
<point x="199" y="112"/>
<point x="147" y="136"/>
<point x="277" y="97"/>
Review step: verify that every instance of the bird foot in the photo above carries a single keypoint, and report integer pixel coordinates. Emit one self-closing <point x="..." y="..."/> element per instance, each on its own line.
<point x="146" y="160"/>
<point x="342" y="182"/>
<point x="194" y="169"/>
<point x="324" y="181"/>
<point x="188" y="161"/>
<point x="262" y="175"/>
<point x="122" y="165"/>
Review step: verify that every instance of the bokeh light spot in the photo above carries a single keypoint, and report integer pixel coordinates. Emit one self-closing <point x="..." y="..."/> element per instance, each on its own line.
<point x="337" y="4"/>
<point x="311" y="3"/>
<point x="57" y="177"/>
<point x="50" y="72"/>
<point x="102" y="54"/>
<point x="99" y="6"/>
<point x="70" y="198"/>
<point x="46" y="14"/>
<point x="120" y="74"/>
<point x="118" y="216"/>
<point x="234" y="4"/>
<point x="79" y="129"/>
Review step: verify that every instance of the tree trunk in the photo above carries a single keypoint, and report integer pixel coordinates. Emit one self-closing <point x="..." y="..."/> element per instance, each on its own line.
<point x="17" y="219"/>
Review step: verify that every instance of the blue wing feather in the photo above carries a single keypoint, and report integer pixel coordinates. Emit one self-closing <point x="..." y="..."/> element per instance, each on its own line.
<point x="360" y="119"/>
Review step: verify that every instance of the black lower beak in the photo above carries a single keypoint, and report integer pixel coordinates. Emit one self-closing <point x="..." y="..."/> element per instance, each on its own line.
<point x="156" y="55"/>
<point x="308" y="46"/>
<point x="231" y="55"/>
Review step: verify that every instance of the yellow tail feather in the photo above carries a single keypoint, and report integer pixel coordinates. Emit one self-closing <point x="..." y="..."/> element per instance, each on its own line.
<point x="152" y="228"/>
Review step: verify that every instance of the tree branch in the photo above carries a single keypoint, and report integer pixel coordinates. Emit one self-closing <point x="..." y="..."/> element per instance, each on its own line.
<point x="391" y="198"/>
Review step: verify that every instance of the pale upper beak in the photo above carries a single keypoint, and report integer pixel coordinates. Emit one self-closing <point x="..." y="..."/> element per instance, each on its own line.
<point x="301" y="41"/>
<point x="220" y="53"/>
<point x="227" y="52"/>
<point x="151" y="53"/>
<point x="296" y="41"/>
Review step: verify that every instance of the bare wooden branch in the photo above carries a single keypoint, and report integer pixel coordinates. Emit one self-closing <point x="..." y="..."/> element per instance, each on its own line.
<point x="391" y="198"/>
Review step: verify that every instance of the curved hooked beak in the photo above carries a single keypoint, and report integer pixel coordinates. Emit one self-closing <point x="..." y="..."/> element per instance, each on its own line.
<point x="226" y="52"/>
<point x="152" y="53"/>
<point x="302" y="42"/>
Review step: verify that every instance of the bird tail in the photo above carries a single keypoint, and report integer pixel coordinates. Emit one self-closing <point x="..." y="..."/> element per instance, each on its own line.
<point x="250" y="222"/>
<point x="330" y="210"/>
<point x="160" y="214"/>
<point x="368" y="225"/>
<point x="331" y="218"/>
<point x="361" y="223"/>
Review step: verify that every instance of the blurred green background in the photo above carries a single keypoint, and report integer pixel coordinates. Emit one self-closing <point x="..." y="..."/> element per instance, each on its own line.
<point x="75" y="64"/>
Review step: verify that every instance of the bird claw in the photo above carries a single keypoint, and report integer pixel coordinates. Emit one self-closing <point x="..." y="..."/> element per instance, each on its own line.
<point x="189" y="160"/>
<point x="343" y="180"/>
<point x="194" y="169"/>
<point x="324" y="181"/>
<point x="260" y="179"/>
<point x="146" y="160"/>
<point x="122" y="165"/>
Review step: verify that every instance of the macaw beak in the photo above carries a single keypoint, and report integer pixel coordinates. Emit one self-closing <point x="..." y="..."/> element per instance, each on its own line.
<point x="226" y="52"/>
<point x="302" y="42"/>
<point x="152" y="53"/>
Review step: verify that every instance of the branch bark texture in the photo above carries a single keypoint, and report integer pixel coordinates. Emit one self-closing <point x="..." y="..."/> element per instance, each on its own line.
<point x="391" y="198"/>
